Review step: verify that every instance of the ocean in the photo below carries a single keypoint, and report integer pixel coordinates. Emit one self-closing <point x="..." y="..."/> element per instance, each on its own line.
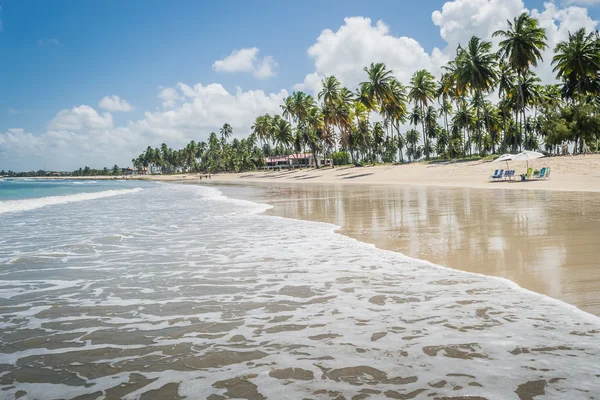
<point x="150" y="290"/>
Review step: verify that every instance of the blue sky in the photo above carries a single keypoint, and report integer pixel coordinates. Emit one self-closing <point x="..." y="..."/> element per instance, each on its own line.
<point x="63" y="54"/>
<point x="133" y="47"/>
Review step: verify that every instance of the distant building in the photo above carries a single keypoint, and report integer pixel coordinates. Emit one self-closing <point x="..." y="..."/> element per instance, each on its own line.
<point x="305" y="160"/>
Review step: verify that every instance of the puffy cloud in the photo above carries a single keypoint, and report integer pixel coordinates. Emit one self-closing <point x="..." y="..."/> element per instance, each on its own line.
<point x="246" y="60"/>
<point x="458" y="20"/>
<point x="80" y="118"/>
<point x="345" y="52"/>
<point x="48" y="42"/>
<point x="169" y="96"/>
<point x="312" y="83"/>
<point x="81" y="136"/>
<point x="114" y="103"/>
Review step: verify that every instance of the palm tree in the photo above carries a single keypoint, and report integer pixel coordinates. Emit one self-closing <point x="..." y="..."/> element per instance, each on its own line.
<point x="282" y="132"/>
<point x="395" y="109"/>
<point x="577" y="59"/>
<point x="476" y="72"/>
<point x="522" y="47"/>
<point x="446" y="90"/>
<point x="377" y="90"/>
<point x="412" y="139"/>
<point x="331" y="90"/>
<point x="422" y="92"/>
<point x="225" y="132"/>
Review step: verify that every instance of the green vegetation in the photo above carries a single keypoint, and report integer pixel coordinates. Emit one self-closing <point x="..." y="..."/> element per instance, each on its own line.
<point x="86" y="171"/>
<point x="449" y="117"/>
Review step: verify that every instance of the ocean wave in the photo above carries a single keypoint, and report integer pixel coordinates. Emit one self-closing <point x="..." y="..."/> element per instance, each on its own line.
<point x="84" y="182"/>
<point x="31" y="204"/>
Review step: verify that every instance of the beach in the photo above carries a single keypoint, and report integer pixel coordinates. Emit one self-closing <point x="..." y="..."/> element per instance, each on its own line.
<point x="569" y="173"/>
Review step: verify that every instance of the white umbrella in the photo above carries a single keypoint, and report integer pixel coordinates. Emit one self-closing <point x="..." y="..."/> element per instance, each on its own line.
<point x="527" y="155"/>
<point x="504" y="157"/>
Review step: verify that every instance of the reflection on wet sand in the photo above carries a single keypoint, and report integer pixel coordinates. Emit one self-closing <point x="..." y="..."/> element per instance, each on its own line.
<point x="544" y="241"/>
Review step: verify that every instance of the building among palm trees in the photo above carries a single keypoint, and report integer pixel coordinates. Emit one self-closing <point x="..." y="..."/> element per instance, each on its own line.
<point x="304" y="160"/>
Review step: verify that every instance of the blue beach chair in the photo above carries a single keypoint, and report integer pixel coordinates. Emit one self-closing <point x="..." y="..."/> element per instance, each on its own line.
<point x="497" y="175"/>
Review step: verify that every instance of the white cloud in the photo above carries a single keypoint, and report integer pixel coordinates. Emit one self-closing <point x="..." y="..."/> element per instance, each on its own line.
<point x="114" y="103"/>
<point x="345" y="52"/>
<point x="80" y="118"/>
<point x="588" y="3"/>
<point x="169" y="96"/>
<point x="246" y="60"/>
<point x="48" y="42"/>
<point x="460" y="19"/>
<point x="312" y="83"/>
<point x="81" y="136"/>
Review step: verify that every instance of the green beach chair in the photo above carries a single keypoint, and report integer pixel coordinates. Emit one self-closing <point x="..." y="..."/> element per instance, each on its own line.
<point x="527" y="176"/>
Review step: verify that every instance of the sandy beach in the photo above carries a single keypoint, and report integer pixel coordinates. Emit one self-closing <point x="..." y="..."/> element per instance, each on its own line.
<point x="570" y="173"/>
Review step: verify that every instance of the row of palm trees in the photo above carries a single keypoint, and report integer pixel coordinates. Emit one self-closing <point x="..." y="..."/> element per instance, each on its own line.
<point x="451" y="117"/>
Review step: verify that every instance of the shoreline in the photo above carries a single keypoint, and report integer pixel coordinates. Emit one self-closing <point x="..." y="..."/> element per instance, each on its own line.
<point x="523" y="236"/>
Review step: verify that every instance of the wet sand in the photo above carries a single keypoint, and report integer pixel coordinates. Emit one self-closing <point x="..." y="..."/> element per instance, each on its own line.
<point x="544" y="241"/>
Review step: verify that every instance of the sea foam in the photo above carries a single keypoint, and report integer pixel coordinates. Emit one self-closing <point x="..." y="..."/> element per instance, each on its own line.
<point x="8" y="206"/>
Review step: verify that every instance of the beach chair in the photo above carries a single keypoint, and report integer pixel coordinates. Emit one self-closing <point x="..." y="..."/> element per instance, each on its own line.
<point x="527" y="176"/>
<point x="542" y="173"/>
<point x="497" y="175"/>
<point x="547" y="173"/>
<point x="507" y="175"/>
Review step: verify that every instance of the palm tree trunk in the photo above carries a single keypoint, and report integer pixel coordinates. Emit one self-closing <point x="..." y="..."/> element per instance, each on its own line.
<point x="445" y="114"/>
<point x="400" y="156"/>
<point x="424" y="137"/>
<point x="522" y="98"/>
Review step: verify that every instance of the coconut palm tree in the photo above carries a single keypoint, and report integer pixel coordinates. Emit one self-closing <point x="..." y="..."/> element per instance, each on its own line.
<point x="331" y="89"/>
<point x="577" y="59"/>
<point x="377" y="90"/>
<point x="422" y="92"/>
<point x="522" y="46"/>
<point x="475" y="72"/>
<point x="412" y="140"/>
<point x="394" y="108"/>
<point x="445" y="91"/>
<point x="282" y="132"/>
<point x="226" y="131"/>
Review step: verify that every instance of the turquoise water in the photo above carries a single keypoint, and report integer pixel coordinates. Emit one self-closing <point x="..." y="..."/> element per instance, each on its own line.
<point x="27" y="188"/>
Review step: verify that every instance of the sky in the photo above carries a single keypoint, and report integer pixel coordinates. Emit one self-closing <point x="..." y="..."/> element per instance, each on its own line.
<point x="94" y="83"/>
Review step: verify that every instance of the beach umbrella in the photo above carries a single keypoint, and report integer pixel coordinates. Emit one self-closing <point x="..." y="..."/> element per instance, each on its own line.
<point x="527" y="155"/>
<point x="504" y="157"/>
